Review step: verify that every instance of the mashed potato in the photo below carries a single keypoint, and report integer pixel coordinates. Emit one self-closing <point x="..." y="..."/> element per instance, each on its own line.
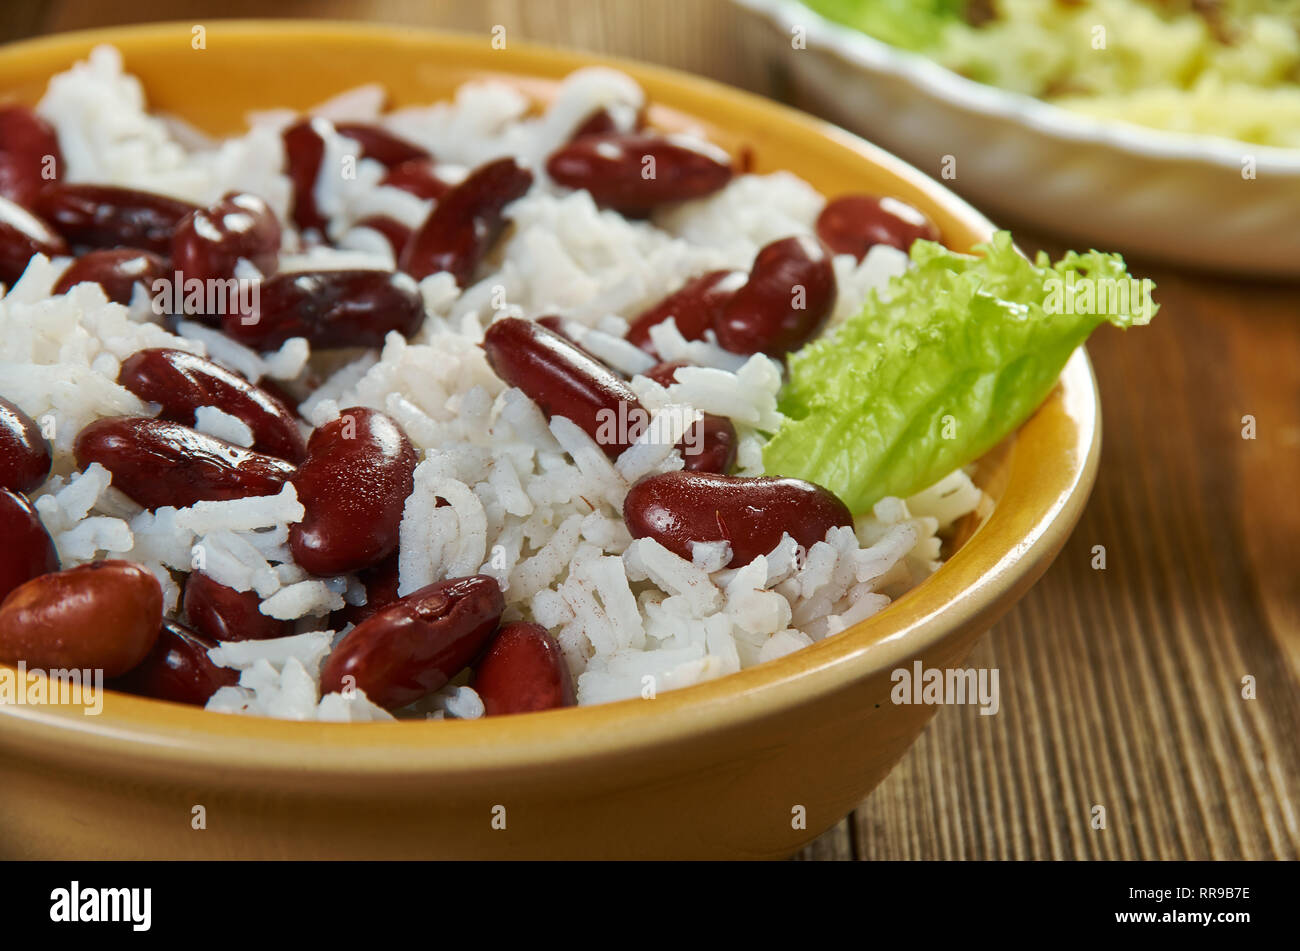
<point x="1221" y="67"/>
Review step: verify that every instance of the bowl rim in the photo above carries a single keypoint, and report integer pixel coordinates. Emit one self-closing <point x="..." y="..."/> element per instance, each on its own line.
<point x="1055" y="122"/>
<point x="971" y="588"/>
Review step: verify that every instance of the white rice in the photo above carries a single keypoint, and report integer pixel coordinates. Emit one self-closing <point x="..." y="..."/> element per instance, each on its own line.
<point x="537" y="505"/>
<point x="215" y="422"/>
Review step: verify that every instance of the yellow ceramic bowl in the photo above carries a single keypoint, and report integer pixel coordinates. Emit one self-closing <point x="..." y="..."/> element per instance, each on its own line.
<point x="725" y="769"/>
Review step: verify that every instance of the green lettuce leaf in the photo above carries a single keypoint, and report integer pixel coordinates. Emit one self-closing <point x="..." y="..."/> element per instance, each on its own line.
<point x="956" y="354"/>
<point x="910" y="24"/>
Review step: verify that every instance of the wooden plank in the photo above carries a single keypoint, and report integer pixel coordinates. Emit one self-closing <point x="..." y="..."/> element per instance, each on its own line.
<point x="1123" y="687"/>
<point x="20" y="19"/>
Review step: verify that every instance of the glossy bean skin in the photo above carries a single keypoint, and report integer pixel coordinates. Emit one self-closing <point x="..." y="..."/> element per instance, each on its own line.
<point x="304" y="149"/>
<point x="210" y="241"/>
<point x="105" y="216"/>
<point x="353" y="308"/>
<point x="27" y="552"/>
<point x="380" y="582"/>
<point x="676" y="508"/>
<point x="614" y="168"/>
<point x="182" y="382"/>
<point x="220" y="613"/>
<point x="105" y="615"/>
<point x="158" y="463"/>
<point x="22" y="235"/>
<point x="694" y="308"/>
<point x="394" y="232"/>
<point x="466" y="222"/>
<point x="710" y="445"/>
<point x="787" y="299"/>
<point x="559" y="325"/>
<point x="419" y="177"/>
<point x="523" y="671"/>
<point x="354" y="483"/>
<point x="555" y="324"/>
<point x="854" y="224"/>
<point x="177" y="669"/>
<point x="116" y="270"/>
<point x="29" y="151"/>
<point x="415" y="645"/>
<point x="380" y="144"/>
<point x="24" y="452"/>
<point x="283" y="398"/>
<point x="565" y="381"/>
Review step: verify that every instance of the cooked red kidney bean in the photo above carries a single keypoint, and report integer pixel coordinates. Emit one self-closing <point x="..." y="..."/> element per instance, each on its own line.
<point x="182" y="382"/>
<point x="380" y="144"/>
<point x="116" y="270"/>
<point x="636" y="172"/>
<point x="380" y="582"/>
<point x="158" y="463"/>
<point x="677" y="508"/>
<point x="416" y="644"/>
<point x="523" y="671"/>
<point x="709" y="445"/>
<point x="286" y="400"/>
<point x="178" y="669"/>
<point x="29" y="154"/>
<point x="565" y="381"/>
<point x="103" y="615"/>
<point x="27" y="551"/>
<point x="559" y="325"/>
<point x="789" y="295"/>
<point x="329" y="308"/>
<point x="466" y="222"/>
<point x="354" y="483"/>
<point x="304" y="149"/>
<point x="221" y="613"/>
<point x="694" y="307"/>
<point x="394" y="232"/>
<point x="665" y="374"/>
<point x="208" y="243"/>
<point x="854" y="224"/>
<point x="601" y="122"/>
<point x="104" y="216"/>
<point x="556" y="324"/>
<point x="24" y="452"/>
<point x="419" y="177"/>
<point x="22" y="234"/>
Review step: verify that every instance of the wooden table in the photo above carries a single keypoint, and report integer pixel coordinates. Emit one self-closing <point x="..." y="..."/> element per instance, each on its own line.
<point x="1121" y="687"/>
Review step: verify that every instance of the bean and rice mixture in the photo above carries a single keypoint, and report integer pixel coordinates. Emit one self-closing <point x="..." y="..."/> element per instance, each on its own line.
<point x="476" y="430"/>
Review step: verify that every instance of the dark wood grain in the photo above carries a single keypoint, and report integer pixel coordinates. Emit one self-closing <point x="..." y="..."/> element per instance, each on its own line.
<point x="21" y="19"/>
<point x="1120" y="687"/>
<point x="1123" y="687"/>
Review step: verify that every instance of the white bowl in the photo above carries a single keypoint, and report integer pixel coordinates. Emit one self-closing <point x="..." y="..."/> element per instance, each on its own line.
<point x="1182" y="198"/>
